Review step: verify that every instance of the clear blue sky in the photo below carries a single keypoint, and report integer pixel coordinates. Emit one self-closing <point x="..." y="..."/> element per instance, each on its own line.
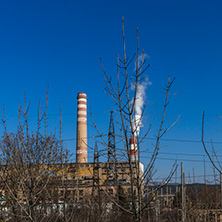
<point x="60" y="42"/>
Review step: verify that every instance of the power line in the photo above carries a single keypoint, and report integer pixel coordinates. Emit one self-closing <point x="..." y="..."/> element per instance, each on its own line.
<point x="187" y="177"/>
<point x="184" y="141"/>
<point x="161" y="158"/>
<point x="56" y="114"/>
<point x="150" y="138"/>
<point x="116" y="111"/>
<point x="180" y="154"/>
<point x="174" y="159"/>
<point x="160" y="153"/>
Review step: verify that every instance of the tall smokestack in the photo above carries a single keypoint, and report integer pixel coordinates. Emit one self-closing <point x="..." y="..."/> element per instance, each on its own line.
<point x="133" y="152"/>
<point x="81" y="143"/>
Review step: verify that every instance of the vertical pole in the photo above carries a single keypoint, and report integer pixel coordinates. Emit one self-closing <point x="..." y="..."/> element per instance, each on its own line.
<point x="176" y="181"/>
<point x="221" y="191"/>
<point x="176" y="177"/>
<point x="189" y="178"/>
<point x="204" y="171"/>
<point x="183" y="193"/>
<point x="167" y="194"/>
<point x="170" y="192"/>
<point x="193" y="177"/>
<point x="215" y="180"/>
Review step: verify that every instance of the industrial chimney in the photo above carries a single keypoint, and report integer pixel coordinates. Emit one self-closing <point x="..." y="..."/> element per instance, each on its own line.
<point x="133" y="152"/>
<point x="81" y="143"/>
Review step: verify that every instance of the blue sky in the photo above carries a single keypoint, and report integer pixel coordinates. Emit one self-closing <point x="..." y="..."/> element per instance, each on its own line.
<point x="60" y="42"/>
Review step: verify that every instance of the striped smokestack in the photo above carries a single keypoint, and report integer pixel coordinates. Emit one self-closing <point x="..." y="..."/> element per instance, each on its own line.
<point x="81" y="143"/>
<point x="133" y="152"/>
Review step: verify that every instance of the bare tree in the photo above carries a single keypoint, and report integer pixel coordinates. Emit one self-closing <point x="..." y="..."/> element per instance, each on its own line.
<point x="215" y="162"/>
<point x="125" y="95"/>
<point x="29" y="163"/>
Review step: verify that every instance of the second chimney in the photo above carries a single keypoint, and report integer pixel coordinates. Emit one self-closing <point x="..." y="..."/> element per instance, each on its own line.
<point x="133" y="152"/>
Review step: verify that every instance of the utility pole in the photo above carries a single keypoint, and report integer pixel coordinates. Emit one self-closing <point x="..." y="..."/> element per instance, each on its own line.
<point x="183" y="194"/>
<point x="205" y="181"/>
<point x="176" y="176"/>
<point x="221" y="191"/>
<point x="214" y="172"/>
<point x="167" y="195"/>
<point x="96" y="177"/>
<point x="111" y="160"/>
<point x="176" y="181"/>
<point x="194" y="181"/>
<point x="189" y="178"/>
<point x="95" y="168"/>
<point x="111" y="141"/>
<point x="220" y="195"/>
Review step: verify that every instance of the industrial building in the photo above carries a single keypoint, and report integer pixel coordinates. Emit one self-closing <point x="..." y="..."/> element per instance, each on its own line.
<point x="82" y="177"/>
<point x="78" y="181"/>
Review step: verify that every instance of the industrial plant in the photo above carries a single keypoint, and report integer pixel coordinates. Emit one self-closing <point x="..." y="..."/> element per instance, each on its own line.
<point x="106" y="176"/>
<point x="46" y="188"/>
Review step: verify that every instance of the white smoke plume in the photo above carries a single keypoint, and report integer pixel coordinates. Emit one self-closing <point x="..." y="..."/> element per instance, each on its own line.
<point x="139" y="104"/>
<point x="141" y="57"/>
<point x="140" y="96"/>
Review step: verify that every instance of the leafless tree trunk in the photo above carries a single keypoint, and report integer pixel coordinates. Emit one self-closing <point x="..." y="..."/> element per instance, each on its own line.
<point x="125" y="96"/>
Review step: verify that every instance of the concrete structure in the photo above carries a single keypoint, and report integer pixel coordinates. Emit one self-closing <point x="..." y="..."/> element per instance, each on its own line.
<point x="81" y="143"/>
<point x="80" y="180"/>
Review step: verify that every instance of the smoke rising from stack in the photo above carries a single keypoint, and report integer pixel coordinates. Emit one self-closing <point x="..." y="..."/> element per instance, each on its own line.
<point x="140" y="95"/>
<point x="137" y="120"/>
<point x="81" y="143"/>
<point x="139" y="103"/>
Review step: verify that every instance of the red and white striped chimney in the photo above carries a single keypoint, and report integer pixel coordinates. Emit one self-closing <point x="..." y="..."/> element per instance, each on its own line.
<point x="81" y="143"/>
<point x="133" y="152"/>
